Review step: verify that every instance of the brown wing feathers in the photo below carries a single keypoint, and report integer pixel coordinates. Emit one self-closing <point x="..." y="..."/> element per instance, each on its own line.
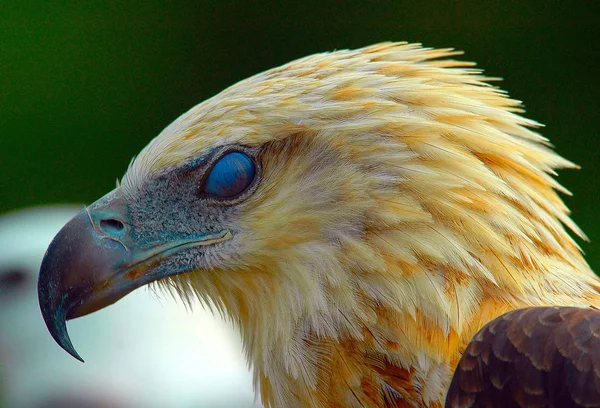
<point x="534" y="357"/>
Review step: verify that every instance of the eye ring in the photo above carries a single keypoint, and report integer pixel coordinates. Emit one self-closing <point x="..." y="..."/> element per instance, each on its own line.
<point x="231" y="177"/>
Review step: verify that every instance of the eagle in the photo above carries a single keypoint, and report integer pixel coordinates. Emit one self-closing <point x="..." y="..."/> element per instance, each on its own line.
<point x="381" y="225"/>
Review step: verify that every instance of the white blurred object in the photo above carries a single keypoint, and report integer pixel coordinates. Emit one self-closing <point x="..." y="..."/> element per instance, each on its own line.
<point x="140" y="352"/>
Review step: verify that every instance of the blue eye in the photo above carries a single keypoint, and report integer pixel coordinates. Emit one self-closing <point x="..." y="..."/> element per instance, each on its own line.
<point x="230" y="176"/>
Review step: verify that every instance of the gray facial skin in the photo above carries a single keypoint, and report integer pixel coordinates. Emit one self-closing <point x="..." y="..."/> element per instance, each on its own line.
<point x="130" y="237"/>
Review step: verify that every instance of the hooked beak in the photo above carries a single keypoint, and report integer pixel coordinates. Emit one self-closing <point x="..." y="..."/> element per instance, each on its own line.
<point x="94" y="261"/>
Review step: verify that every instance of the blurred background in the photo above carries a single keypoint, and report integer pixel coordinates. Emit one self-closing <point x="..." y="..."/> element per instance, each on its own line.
<point x="84" y="86"/>
<point x="145" y="351"/>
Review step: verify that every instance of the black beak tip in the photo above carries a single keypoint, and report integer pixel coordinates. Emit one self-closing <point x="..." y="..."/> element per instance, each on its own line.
<point x="57" y="325"/>
<point x="55" y="319"/>
<point x="58" y="331"/>
<point x="54" y="305"/>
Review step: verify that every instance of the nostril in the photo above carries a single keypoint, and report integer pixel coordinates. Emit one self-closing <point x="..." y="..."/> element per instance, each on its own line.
<point x="112" y="227"/>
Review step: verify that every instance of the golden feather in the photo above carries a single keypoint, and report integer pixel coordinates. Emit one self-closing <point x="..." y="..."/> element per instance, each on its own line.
<point x="403" y="203"/>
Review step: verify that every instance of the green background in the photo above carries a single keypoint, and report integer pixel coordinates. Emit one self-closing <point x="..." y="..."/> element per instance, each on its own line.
<point x="84" y="86"/>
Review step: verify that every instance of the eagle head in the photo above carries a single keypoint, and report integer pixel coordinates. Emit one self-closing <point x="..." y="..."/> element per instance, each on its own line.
<point x="359" y="215"/>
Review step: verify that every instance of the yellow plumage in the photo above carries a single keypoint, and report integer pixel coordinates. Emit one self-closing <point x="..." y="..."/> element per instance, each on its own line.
<point x="403" y="203"/>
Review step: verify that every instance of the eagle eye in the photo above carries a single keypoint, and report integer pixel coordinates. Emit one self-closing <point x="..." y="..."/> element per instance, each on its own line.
<point x="230" y="176"/>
